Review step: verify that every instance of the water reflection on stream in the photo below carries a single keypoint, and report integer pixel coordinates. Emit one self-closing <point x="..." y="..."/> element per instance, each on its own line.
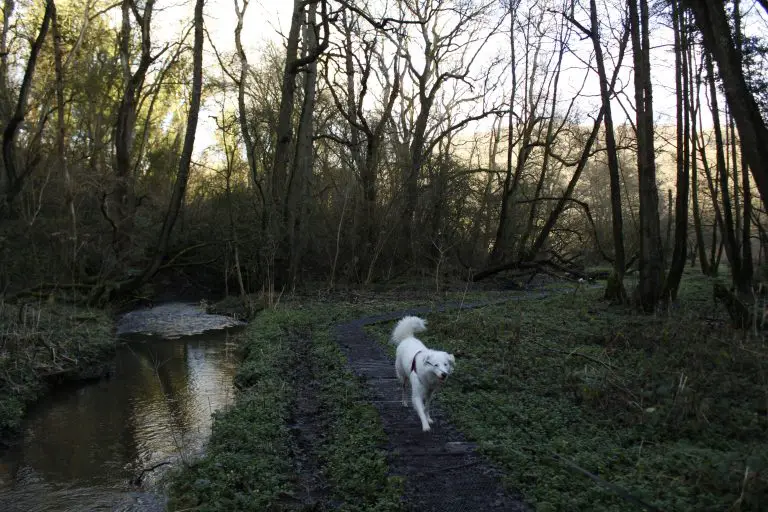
<point x="82" y="446"/>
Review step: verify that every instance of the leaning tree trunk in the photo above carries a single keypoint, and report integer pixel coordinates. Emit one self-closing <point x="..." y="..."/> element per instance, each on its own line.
<point x="15" y="177"/>
<point x="185" y="160"/>
<point x="712" y="21"/>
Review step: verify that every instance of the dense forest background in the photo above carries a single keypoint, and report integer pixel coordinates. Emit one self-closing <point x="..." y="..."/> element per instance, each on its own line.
<point x="381" y="140"/>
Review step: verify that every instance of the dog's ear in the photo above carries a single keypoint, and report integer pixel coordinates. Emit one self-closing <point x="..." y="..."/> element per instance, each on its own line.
<point x="451" y="359"/>
<point x="427" y="359"/>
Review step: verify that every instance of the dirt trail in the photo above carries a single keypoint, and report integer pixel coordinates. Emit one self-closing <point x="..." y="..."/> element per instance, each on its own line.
<point x="442" y="470"/>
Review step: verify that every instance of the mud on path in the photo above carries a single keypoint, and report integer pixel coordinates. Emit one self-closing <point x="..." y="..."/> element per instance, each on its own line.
<point x="307" y="423"/>
<point x="442" y="470"/>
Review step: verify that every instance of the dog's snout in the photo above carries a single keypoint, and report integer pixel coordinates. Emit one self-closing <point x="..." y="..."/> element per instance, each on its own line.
<point x="443" y="375"/>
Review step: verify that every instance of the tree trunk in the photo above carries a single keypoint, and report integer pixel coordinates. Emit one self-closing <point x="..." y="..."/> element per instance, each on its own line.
<point x="284" y="131"/>
<point x="298" y="185"/>
<point x="5" y="100"/>
<point x="727" y="226"/>
<point x="651" y="256"/>
<point x="747" y="267"/>
<point x="279" y="186"/>
<point x="679" y="253"/>
<point x="245" y="130"/>
<point x="616" y="292"/>
<point x="121" y="202"/>
<point x="69" y="192"/>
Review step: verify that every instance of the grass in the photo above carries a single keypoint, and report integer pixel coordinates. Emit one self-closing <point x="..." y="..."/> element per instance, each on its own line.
<point x="42" y="344"/>
<point x="247" y="466"/>
<point x="250" y="461"/>
<point x="670" y="408"/>
<point x="353" y="455"/>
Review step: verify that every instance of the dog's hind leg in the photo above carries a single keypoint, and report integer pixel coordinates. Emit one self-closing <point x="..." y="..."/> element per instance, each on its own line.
<point x="404" y="380"/>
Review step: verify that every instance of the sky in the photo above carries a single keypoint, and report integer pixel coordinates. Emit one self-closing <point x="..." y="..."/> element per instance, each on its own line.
<point x="264" y="21"/>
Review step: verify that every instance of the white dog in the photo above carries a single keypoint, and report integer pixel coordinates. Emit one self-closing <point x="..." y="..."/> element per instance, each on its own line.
<point x="426" y="369"/>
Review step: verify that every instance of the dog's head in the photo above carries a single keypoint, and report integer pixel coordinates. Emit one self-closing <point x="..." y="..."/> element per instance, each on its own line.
<point x="440" y="363"/>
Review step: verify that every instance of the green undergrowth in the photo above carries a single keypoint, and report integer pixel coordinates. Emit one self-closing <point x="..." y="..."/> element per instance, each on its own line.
<point x="44" y="344"/>
<point x="249" y="464"/>
<point x="353" y="453"/>
<point x="671" y="408"/>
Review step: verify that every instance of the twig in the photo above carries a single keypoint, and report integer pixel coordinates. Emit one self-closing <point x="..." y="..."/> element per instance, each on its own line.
<point x="137" y="480"/>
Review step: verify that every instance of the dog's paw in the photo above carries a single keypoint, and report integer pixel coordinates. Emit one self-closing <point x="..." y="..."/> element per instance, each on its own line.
<point x="425" y="428"/>
<point x="405" y="404"/>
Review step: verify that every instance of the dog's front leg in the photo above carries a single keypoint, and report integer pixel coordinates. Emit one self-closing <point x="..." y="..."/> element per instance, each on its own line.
<point x="428" y="408"/>
<point x="418" y="404"/>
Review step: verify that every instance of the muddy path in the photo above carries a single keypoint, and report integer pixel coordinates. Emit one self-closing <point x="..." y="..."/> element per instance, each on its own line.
<point x="442" y="470"/>
<point x="307" y="424"/>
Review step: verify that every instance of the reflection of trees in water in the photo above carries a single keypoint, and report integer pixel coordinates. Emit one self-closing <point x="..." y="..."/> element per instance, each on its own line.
<point x="162" y="397"/>
<point x="159" y="400"/>
<point x="79" y="434"/>
<point x="181" y="385"/>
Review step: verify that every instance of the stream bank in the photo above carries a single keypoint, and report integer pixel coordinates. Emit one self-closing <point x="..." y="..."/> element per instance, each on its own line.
<point x="44" y="345"/>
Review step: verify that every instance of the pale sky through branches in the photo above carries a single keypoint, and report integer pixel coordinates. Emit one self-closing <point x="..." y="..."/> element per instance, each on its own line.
<point x="266" y="21"/>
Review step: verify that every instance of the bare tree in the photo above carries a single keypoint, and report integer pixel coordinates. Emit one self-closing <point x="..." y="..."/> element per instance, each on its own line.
<point x="679" y="253"/>
<point x="712" y="22"/>
<point x="365" y="70"/>
<point x="615" y="289"/>
<point x="14" y="176"/>
<point x="451" y="47"/>
<point x="651" y="255"/>
<point x="120" y="203"/>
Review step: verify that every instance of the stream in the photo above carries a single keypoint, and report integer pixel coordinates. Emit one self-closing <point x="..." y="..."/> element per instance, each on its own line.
<point x="84" y="446"/>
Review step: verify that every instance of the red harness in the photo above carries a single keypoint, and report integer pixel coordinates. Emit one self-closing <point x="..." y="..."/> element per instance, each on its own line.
<point x="413" y="363"/>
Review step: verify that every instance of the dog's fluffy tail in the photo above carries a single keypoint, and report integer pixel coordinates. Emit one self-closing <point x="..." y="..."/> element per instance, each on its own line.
<point x="407" y="327"/>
